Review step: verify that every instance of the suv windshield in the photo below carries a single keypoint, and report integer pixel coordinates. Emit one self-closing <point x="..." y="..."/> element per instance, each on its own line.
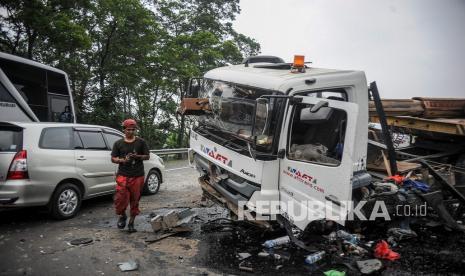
<point x="233" y="111"/>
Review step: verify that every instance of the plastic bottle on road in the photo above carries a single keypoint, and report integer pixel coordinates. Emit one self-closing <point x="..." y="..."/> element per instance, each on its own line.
<point x="315" y="257"/>
<point x="277" y="242"/>
<point x="341" y="234"/>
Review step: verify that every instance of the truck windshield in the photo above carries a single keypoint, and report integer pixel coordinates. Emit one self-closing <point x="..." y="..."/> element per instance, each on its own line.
<point x="233" y="111"/>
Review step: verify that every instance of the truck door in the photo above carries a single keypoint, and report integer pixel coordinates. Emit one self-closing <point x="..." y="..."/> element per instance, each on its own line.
<point x="315" y="171"/>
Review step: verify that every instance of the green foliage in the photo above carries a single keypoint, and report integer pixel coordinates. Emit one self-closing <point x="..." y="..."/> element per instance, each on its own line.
<point x="128" y="58"/>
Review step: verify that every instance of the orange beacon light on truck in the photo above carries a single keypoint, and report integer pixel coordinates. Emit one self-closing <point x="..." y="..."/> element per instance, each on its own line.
<point x="299" y="61"/>
<point x="299" y="64"/>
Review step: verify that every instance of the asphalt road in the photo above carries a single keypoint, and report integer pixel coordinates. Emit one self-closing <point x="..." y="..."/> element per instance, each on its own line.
<point x="33" y="244"/>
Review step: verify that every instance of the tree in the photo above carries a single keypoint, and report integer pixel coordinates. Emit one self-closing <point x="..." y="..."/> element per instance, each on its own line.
<point x="29" y="24"/>
<point x="200" y="37"/>
<point x="128" y="58"/>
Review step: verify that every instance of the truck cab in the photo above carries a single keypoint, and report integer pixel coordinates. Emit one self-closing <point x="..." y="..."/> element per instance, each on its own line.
<point x="282" y="139"/>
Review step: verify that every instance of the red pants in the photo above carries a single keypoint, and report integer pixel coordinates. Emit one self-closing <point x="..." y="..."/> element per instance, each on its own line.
<point x="128" y="191"/>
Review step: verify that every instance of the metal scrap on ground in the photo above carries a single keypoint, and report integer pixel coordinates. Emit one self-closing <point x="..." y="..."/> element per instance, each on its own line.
<point x="167" y="219"/>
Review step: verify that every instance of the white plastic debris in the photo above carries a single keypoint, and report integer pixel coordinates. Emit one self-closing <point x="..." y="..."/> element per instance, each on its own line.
<point x="243" y="256"/>
<point x="128" y="266"/>
<point x="277" y="242"/>
<point x="369" y="266"/>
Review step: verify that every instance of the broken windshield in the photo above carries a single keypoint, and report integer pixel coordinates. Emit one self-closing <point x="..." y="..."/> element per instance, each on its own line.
<point x="233" y="111"/>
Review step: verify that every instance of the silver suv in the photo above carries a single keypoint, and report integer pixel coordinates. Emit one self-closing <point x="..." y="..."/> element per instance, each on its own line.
<point x="60" y="164"/>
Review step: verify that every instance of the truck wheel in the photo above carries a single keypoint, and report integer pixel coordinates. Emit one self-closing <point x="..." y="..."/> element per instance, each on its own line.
<point x="152" y="183"/>
<point x="65" y="202"/>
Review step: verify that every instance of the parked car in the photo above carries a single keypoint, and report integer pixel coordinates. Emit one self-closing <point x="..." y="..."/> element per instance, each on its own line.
<point x="60" y="164"/>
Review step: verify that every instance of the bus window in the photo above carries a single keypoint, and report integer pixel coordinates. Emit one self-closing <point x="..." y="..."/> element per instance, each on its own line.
<point x="44" y="89"/>
<point x="5" y="96"/>
<point x="30" y="82"/>
<point x="60" y="109"/>
<point x="57" y="83"/>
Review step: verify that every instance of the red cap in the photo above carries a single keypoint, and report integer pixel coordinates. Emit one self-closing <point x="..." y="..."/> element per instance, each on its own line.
<point x="129" y="123"/>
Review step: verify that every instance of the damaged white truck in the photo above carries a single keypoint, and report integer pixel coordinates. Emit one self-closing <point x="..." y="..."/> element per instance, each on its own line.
<point x="286" y="140"/>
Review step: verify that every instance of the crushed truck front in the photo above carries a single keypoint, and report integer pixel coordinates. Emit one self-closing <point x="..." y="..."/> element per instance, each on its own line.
<point x="245" y="147"/>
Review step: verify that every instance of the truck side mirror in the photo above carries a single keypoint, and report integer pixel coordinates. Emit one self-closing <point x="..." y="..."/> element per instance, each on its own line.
<point x="193" y="91"/>
<point x="195" y="84"/>
<point x="260" y="120"/>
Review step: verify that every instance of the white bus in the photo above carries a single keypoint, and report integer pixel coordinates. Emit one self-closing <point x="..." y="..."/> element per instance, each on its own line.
<point x="33" y="92"/>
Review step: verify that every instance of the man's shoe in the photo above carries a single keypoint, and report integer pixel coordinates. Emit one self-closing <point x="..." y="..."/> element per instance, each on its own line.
<point x="122" y="222"/>
<point x="131" y="228"/>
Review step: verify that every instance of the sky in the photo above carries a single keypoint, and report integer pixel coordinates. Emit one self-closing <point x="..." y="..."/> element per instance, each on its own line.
<point x="411" y="48"/>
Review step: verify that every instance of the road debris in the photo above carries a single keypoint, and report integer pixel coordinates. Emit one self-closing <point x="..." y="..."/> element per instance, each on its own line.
<point x="156" y="223"/>
<point x="81" y="241"/>
<point x="277" y="242"/>
<point x="171" y="219"/>
<point x="315" y="257"/>
<point x="246" y="266"/>
<point x="334" y="272"/>
<point x="382" y="251"/>
<point x="243" y="256"/>
<point x="341" y="234"/>
<point x="263" y="254"/>
<point x="354" y="249"/>
<point x="400" y="234"/>
<point x="416" y="185"/>
<point x="128" y="266"/>
<point x="369" y="266"/>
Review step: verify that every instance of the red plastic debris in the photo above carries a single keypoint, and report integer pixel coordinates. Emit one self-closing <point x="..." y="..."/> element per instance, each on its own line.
<point x="398" y="179"/>
<point x="382" y="251"/>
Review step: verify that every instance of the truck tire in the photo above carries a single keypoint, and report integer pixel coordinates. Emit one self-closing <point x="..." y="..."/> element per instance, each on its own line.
<point x="65" y="202"/>
<point x="152" y="183"/>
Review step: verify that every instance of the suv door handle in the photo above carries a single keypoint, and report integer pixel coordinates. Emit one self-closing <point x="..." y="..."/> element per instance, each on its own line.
<point x="81" y="158"/>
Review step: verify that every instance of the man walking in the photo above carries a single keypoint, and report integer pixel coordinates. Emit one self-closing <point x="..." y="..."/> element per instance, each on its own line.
<point x="129" y="152"/>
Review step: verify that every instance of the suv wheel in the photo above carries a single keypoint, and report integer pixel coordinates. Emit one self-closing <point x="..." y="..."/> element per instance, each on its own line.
<point x="65" y="202"/>
<point x="152" y="183"/>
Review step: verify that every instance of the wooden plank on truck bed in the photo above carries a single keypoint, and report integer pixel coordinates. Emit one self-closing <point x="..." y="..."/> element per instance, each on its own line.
<point x="445" y="126"/>
<point x="442" y="107"/>
<point x="398" y="107"/>
<point x="427" y="108"/>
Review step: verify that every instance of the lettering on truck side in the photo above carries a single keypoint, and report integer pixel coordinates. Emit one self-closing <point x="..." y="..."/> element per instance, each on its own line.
<point x="216" y="155"/>
<point x="304" y="178"/>
<point x="6" y="104"/>
<point x="247" y="173"/>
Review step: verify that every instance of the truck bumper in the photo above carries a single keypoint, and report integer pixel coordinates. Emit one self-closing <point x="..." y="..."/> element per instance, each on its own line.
<point x="210" y="192"/>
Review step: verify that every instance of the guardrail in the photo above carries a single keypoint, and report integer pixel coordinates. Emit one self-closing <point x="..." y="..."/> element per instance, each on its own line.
<point x="169" y="151"/>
